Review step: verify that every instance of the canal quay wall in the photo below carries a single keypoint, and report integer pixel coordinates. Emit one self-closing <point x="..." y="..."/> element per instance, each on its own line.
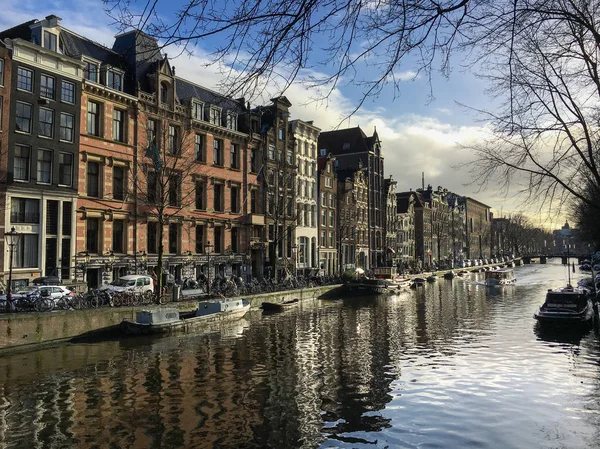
<point x="21" y="331"/>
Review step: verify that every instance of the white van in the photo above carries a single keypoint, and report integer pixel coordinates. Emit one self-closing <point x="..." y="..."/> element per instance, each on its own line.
<point x="139" y="283"/>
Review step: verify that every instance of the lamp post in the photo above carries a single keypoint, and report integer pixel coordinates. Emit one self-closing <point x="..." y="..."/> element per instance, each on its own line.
<point x="12" y="240"/>
<point x="207" y="248"/>
<point x="295" y="253"/>
<point x="144" y="264"/>
<point x="85" y="260"/>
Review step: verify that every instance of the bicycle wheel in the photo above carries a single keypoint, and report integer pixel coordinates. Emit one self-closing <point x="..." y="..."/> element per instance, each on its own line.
<point x="147" y="297"/>
<point x="63" y="303"/>
<point x="77" y="302"/>
<point x="96" y="301"/>
<point x="44" y="305"/>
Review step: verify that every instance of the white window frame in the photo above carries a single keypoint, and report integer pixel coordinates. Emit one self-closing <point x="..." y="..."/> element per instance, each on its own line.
<point x="72" y="129"/>
<point x="61" y="92"/>
<point x="28" y="169"/>
<point x="72" y="168"/>
<point x="40" y="122"/>
<point x="39" y="151"/>
<point x="195" y="106"/>
<point x="215" y="116"/>
<point x="96" y="64"/>
<point x="43" y="87"/>
<point x="50" y="34"/>
<point x="32" y="79"/>
<point x="114" y="72"/>
<point x="231" y="121"/>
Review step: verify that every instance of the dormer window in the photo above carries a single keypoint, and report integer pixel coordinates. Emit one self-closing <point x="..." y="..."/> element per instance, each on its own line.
<point x="90" y="71"/>
<point x="215" y="116"/>
<point x="197" y="110"/>
<point x="50" y="40"/>
<point x="114" y="80"/>
<point x="231" y="121"/>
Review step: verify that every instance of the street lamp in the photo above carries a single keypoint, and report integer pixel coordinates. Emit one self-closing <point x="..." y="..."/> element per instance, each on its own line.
<point x="144" y="264"/>
<point x="295" y="252"/>
<point x="207" y="248"/>
<point x="12" y="240"/>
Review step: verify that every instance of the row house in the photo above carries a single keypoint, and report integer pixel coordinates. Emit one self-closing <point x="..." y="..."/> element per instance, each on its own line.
<point x="440" y="217"/>
<point x="105" y="213"/>
<point x="40" y="148"/>
<point x="352" y="219"/>
<point x="423" y="230"/>
<point x="193" y="169"/>
<point x="5" y="114"/>
<point x="405" y="203"/>
<point x="306" y="137"/>
<point x="113" y="159"/>
<point x="327" y="187"/>
<point x="477" y="228"/>
<point x="391" y="222"/>
<point x="279" y="186"/>
<point x="456" y="227"/>
<point x="349" y="146"/>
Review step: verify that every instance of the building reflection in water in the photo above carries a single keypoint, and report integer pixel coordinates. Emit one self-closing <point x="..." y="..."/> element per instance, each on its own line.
<point x="289" y="380"/>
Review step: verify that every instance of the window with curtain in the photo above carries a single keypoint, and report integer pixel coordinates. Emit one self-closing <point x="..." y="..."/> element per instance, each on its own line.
<point x="44" y="166"/>
<point x="26" y="252"/>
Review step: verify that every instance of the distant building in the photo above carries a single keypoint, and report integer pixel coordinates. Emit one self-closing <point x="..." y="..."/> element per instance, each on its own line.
<point x="352" y="213"/>
<point x="405" y="203"/>
<point x="392" y="256"/>
<point x="306" y="136"/>
<point x="327" y="187"/>
<point x="477" y="228"/>
<point x="349" y="146"/>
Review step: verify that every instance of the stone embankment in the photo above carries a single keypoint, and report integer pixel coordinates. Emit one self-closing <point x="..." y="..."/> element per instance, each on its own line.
<point x="19" y="331"/>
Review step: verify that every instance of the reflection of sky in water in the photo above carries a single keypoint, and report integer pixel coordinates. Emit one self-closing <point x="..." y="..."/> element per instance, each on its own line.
<point x="454" y="364"/>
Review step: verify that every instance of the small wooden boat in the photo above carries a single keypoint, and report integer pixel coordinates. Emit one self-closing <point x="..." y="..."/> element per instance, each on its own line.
<point x="169" y="320"/>
<point x="418" y="282"/>
<point x="498" y="278"/>
<point x="566" y="306"/>
<point x="401" y="283"/>
<point x="280" y="306"/>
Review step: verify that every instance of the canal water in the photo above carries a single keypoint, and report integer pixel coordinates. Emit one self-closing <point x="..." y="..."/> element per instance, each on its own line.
<point x="450" y="365"/>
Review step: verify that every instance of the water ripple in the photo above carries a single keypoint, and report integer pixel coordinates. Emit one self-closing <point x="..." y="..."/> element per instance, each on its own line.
<point x="451" y="365"/>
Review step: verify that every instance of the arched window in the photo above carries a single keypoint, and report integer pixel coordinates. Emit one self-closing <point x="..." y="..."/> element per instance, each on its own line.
<point x="164" y="92"/>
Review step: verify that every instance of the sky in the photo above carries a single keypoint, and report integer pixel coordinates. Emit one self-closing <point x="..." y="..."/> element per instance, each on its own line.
<point x="420" y="133"/>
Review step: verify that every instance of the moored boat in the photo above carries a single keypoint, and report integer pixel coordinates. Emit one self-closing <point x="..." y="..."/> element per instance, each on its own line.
<point x="418" y="282"/>
<point x="280" y="306"/>
<point x="432" y="278"/>
<point x="566" y="306"/>
<point x="170" y="320"/>
<point x="449" y="275"/>
<point x="500" y="277"/>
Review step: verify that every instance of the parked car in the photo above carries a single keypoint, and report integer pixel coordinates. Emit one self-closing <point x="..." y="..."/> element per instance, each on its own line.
<point x="54" y="291"/>
<point x="46" y="280"/>
<point x="139" y="283"/>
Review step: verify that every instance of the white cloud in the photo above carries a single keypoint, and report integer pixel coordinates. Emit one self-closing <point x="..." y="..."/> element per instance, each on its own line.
<point x="412" y="144"/>
<point x="407" y="75"/>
